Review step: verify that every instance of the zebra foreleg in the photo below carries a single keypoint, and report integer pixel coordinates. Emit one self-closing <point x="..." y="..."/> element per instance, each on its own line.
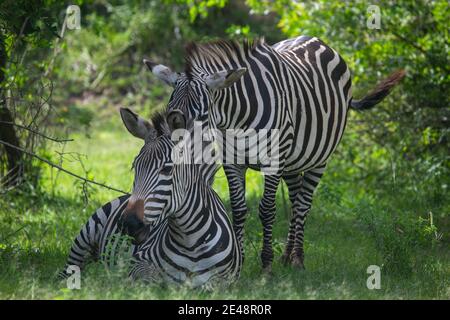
<point x="311" y="179"/>
<point x="236" y="184"/>
<point x="267" y="215"/>
<point x="145" y="271"/>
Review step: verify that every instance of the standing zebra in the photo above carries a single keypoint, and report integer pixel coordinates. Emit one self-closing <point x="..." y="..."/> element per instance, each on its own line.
<point x="301" y="87"/>
<point x="181" y="232"/>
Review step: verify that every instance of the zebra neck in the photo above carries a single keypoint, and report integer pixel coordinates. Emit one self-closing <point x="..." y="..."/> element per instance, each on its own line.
<point x="255" y="99"/>
<point x="193" y="219"/>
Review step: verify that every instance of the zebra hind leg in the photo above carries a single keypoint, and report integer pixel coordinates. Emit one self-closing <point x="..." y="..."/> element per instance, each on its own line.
<point x="311" y="179"/>
<point x="85" y="247"/>
<point x="236" y="184"/>
<point x="267" y="212"/>
<point x="293" y="182"/>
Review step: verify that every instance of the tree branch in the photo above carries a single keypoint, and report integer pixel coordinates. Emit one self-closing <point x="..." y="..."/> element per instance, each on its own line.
<point x="36" y="132"/>
<point x="61" y="168"/>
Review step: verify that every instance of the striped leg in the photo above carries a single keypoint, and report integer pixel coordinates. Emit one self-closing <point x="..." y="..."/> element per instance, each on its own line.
<point x="85" y="247"/>
<point x="311" y="179"/>
<point x="236" y="184"/>
<point x="294" y="183"/>
<point x="267" y="215"/>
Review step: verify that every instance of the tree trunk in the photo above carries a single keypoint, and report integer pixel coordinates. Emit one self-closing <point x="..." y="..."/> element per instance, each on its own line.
<point x="12" y="162"/>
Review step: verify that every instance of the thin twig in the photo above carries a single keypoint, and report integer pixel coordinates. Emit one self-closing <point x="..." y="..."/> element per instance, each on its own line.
<point x="36" y="132"/>
<point x="13" y="233"/>
<point x="61" y="168"/>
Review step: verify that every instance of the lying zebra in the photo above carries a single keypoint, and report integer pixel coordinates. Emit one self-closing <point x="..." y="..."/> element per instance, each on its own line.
<point x="300" y="88"/>
<point x="180" y="228"/>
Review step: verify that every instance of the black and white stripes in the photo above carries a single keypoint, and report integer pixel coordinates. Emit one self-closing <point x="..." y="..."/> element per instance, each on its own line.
<point x="181" y="232"/>
<point x="299" y="87"/>
<point x="191" y="239"/>
<point x="90" y="243"/>
<point x="298" y="91"/>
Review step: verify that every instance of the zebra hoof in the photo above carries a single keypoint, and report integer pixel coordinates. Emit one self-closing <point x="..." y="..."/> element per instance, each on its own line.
<point x="267" y="270"/>
<point x="286" y="259"/>
<point x="62" y="275"/>
<point x="139" y="237"/>
<point x="297" y="262"/>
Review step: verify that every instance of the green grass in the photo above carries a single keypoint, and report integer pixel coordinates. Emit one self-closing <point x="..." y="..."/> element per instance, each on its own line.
<point x="349" y="228"/>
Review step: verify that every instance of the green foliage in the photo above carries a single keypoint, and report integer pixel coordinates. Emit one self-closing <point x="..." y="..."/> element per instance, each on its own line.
<point x="398" y="237"/>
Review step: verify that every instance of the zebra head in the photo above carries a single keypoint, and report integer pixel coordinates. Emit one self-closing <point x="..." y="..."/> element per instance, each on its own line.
<point x="150" y="160"/>
<point x="194" y="92"/>
<point x="181" y="179"/>
<point x="164" y="170"/>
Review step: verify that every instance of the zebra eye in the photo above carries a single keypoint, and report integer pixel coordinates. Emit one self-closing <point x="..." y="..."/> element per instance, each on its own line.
<point x="167" y="169"/>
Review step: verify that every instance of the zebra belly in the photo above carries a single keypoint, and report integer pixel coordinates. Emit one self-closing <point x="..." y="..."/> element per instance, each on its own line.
<point x="314" y="149"/>
<point x="306" y="150"/>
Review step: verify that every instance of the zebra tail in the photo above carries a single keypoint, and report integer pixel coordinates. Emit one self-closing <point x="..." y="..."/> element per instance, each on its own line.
<point x="379" y="92"/>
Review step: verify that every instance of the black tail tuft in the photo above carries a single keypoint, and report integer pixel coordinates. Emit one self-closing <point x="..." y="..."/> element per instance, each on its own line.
<point x="379" y="93"/>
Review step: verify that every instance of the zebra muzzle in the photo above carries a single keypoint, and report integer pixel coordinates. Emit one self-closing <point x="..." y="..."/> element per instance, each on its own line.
<point x="131" y="221"/>
<point x="132" y="226"/>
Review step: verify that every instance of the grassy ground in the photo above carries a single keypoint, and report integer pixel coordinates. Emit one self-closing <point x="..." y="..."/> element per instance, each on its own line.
<point x="349" y="228"/>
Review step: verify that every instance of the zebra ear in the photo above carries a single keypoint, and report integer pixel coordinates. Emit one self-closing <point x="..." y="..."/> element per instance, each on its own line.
<point x="137" y="126"/>
<point x="162" y="72"/>
<point x="176" y="120"/>
<point x="223" y="79"/>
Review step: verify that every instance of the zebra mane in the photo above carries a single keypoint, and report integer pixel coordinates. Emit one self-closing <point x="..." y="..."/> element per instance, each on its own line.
<point x="159" y="122"/>
<point x="200" y="54"/>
